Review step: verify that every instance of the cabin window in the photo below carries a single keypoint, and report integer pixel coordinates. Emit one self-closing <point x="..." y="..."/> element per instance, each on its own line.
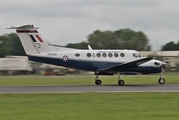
<point x="135" y="55"/>
<point x="110" y="54"/>
<point x="122" y="54"/>
<point x="116" y="55"/>
<point x="88" y="54"/>
<point x="98" y="55"/>
<point x="77" y="55"/>
<point x="104" y="54"/>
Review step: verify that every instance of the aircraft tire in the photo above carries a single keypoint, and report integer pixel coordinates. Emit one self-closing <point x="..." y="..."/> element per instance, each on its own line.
<point x="161" y="81"/>
<point x="98" y="82"/>
<point x="121" y="82"/>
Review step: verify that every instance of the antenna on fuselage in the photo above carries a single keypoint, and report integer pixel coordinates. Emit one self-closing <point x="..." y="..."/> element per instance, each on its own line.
<point x="89" y="47"/>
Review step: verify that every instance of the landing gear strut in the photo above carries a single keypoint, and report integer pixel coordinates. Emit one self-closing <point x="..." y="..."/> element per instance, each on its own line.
<point x="120" y="81"/>
<point x="161" y="79"/>
<point x="97" y="81"/>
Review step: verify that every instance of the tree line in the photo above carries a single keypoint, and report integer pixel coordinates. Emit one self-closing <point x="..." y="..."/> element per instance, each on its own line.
<point x="10" y="45"/>
<point x="120" y="39"/>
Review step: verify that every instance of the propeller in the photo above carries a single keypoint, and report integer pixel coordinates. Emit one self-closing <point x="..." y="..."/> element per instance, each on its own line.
<point x="164" y="64"/>
<point x="161" y="64"/>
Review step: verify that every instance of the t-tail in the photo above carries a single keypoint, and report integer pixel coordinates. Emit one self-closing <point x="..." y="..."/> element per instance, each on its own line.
<point x="31" y="40"/>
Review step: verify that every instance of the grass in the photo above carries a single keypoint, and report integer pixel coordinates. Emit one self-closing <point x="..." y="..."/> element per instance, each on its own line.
<point x="171" y="78"/>
<point x="90" y="106"/>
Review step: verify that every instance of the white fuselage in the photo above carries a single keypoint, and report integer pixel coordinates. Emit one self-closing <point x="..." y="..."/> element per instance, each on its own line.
<point x="95" y="59"/>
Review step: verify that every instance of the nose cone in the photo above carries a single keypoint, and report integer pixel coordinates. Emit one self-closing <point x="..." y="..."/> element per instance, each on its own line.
<point x="163" y="64"/>
<point x="160" y="63"/>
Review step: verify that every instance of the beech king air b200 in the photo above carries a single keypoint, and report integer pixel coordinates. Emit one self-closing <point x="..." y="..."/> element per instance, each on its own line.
<point x="101" y="62"/>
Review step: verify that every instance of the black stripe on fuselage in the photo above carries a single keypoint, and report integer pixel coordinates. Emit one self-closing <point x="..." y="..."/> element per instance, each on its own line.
<point x="93" y="66"/>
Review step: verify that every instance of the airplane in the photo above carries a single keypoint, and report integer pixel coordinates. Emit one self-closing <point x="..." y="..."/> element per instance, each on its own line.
<point x="99" y="61"/>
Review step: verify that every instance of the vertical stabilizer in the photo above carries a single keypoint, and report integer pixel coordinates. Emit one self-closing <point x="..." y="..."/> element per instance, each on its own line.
<point x="31" y="39"/>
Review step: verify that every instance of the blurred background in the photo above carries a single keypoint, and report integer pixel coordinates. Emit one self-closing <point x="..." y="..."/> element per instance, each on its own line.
<point x="150" y="27"/>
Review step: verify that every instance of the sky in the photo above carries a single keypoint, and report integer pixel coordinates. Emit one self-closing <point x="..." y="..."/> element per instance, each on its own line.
<point x="71" y="21"/>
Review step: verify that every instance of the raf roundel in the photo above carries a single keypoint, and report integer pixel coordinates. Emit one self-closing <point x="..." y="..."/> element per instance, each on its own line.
<point x="65" y="58"/>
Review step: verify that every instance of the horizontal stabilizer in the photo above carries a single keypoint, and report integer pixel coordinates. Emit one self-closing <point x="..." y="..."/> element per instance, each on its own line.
<point x="23" y="27"/>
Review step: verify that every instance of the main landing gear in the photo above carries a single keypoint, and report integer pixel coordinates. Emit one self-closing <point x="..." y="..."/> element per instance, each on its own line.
<point x="97" y="81"/>
<point x="120" y="81"/>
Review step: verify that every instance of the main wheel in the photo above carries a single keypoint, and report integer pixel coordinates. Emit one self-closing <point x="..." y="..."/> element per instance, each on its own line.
<point x="98" y="82"/>
<point x="121" y="82"/>
<point x="161" y="81"/>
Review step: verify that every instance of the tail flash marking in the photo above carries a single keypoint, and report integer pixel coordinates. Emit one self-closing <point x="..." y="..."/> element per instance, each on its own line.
<point x="33" y="39"/>
<point x="39" y="38"/>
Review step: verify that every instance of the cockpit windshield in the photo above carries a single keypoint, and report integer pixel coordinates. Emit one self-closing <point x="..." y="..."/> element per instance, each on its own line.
<point x="140" y="55"/>
<point x="136" y="55"/>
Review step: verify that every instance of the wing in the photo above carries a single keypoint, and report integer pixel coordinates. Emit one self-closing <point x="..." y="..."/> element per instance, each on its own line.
<point x="127" y="64"/>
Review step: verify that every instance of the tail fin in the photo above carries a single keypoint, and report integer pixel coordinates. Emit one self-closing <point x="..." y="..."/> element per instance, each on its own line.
<point x="31" y="40"/>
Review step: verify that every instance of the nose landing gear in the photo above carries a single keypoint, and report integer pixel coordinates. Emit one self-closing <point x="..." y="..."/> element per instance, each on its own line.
<point x="161" y="79"/>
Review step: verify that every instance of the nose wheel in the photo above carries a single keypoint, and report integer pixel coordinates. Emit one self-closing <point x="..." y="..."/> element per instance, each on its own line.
<point x="161" y="80"/>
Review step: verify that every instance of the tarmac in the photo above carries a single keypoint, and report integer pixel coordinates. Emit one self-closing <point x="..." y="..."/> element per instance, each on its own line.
<point x="90" y="88"/>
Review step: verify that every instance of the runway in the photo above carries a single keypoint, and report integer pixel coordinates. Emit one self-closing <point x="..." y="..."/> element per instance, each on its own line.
<point x="89" y="88"/>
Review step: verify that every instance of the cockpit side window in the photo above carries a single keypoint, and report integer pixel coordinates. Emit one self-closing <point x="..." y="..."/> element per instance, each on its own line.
<point x="135" y="55"/>
<point x="140" y="55"/>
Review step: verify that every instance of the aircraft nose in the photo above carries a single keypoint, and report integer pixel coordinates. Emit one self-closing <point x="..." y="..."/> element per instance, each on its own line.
<point x="163" y="64"/>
